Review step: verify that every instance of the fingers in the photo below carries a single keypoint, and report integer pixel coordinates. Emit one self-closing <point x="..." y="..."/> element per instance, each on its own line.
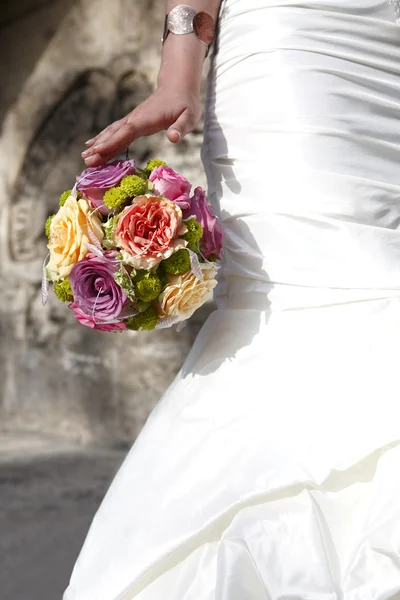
<point x="122" y="136"/>
<point x="90" y="153"/>
<point x="95" y="160"/>
<point x="153" y="115"/>
<point x="100" y="137"/>
<point x="117" y="141"/>
<point x="113" y="140"/>
<point x="184" y="124"/>
<point x="109" y="146"/>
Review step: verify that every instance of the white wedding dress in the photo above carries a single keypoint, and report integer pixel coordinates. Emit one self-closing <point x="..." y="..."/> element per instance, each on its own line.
<point x="270" y="470"/>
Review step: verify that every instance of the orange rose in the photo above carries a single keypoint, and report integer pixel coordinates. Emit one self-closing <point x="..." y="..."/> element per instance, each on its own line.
<point x="148" y="231"/>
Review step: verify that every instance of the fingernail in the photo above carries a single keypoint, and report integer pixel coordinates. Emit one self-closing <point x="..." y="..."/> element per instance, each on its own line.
<point x="86" y="153"/>
<point x="90" y="160"/>
<point x="89" y="142"/>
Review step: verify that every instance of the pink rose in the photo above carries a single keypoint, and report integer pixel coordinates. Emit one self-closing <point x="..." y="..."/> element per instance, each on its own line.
<point x="148" y="231"/>
<point x="89" y="321"/>
<point x="172" y="186"/>
<point x="95" y="181"/>
<point x="211" y="242"/>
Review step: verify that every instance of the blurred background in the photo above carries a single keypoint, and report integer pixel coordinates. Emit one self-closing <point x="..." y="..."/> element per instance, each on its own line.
<point x="72" y="400"/>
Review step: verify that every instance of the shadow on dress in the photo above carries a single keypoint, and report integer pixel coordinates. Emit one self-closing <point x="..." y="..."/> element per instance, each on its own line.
<point x="212" y="347"/>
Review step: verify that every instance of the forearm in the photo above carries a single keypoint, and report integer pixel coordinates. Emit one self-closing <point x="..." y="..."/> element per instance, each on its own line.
<point x="183" y="55"/>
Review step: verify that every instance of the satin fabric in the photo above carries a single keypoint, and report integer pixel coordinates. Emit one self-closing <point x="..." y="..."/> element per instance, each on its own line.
<point x="270" y="469"/>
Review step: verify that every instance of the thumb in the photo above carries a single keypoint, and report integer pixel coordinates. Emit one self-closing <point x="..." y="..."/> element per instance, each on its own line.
<point x="184" y="124"/>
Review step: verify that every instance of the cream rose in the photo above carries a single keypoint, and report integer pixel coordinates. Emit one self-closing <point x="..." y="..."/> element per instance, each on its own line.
<point x="72" y="228"/>
<point x="185" y="293"/>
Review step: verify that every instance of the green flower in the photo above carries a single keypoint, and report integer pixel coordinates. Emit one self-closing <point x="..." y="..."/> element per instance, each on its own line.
<point x="178" y="262"/>
<point x="130" y="186"/>
<point x="63" y="290"/>
<point x="133" y="185"/>
<point x="153" y="164"/>
<point x="148" y="288"/>
<point x="144" y="321"/>
<point x="64" y="197"/>
<point x="194" y="232"/>
<point x="48" y="224"/>
<point x="114" y="198"/>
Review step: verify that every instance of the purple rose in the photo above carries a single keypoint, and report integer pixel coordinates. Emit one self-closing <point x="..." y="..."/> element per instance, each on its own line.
<point x="96" y="293"/>
<point x="95" y="181"/>
<point x="172" y="186"/>
<point x="211" y="242"/>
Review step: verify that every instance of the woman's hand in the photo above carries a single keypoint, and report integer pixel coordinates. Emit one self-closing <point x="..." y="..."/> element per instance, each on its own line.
<point x="177" y="111"/>
<point x="174" y="106"/>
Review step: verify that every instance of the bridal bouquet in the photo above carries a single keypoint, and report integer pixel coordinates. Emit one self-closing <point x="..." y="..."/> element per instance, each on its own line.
<point x="131" y="248"/>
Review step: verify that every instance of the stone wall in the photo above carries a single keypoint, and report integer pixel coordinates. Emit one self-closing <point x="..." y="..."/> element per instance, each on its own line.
<point x="68" y="69"/>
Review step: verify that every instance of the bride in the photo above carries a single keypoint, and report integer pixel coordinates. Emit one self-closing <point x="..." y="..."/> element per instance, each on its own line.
<point x="270" y="469"/>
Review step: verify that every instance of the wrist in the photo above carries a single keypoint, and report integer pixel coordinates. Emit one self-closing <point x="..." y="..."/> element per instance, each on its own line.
<point x="182" y="61"/>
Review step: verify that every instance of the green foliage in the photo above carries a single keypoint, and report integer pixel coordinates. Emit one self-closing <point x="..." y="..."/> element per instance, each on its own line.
<point x="162" y="275"/>
<point x="144" y="321"/>
<point x="123" y="278"/>
<point x="194" y="248"/>
<point x="178" y="262"/>
<point x="109" y="227"/>
<point x="142" y="306"/>
<point x="63" y="290"/>
<point x="148" y="288"/>
<point x="138" y="274"/>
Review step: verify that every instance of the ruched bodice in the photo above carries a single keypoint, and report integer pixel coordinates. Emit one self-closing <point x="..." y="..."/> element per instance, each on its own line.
<point x="305" y="165"/>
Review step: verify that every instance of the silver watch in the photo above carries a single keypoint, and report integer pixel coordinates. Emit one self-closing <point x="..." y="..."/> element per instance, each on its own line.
<point x="185" y="19"/>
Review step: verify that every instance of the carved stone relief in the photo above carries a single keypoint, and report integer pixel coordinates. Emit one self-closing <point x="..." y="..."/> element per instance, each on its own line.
<point x="56" y="376"/>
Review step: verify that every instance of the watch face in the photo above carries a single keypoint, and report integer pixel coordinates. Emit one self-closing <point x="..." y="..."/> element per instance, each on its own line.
<point x="204" y="27"/>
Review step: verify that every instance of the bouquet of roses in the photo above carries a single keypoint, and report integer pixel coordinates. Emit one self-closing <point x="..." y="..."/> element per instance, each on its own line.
<point x="131" y="248"/>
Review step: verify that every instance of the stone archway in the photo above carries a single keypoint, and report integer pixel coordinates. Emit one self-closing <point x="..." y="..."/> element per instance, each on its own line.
<point x="55" y="376"/>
